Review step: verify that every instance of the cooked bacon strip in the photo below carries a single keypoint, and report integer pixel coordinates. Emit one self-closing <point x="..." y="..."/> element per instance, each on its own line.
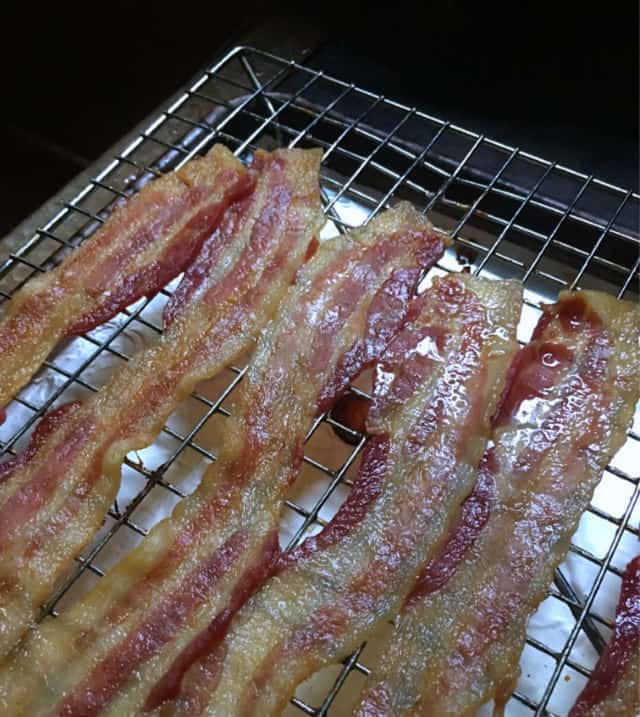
<point x="434" y="393"/>
<point x="145" y="243"/>
<point x="126" y="645"/>
<point x="613" y="690"/>
<point x="53" y="501"/>
<point x="571" y="397"/>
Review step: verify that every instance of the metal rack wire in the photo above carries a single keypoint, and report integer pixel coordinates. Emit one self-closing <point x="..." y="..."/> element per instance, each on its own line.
<point x="511" y="214"/>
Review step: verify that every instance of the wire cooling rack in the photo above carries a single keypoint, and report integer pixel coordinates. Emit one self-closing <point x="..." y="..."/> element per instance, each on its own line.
<point x="511" y="214"/>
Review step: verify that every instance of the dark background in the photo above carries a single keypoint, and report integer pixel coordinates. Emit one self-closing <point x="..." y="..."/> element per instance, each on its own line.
<point x="559" y="79"/>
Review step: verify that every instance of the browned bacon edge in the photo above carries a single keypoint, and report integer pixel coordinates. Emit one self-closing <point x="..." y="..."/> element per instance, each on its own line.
<point x="605" y="693"/>
<point x="55" y="495"/>
<point x="146" y="242"/>
<point x="436" y="387"/>
<point x="221" y="542"/>
<point x="398" y="683"/>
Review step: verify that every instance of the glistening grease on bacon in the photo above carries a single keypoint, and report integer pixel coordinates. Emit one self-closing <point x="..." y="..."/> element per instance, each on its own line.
<point x="613" y="689"/>
<point x="570" y="398"/>
<point x="436" y="387"/>
<point x="146" y="242"/>
<point x="56" y="495"/>
<point x="110" y="654"/>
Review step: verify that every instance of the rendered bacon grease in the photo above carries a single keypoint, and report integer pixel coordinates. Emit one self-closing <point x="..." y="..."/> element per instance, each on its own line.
<point x="125" y="647"/>
<point x="145" y="243"/>
<point x="436" y="387"/>
<point x="54" y="498"/>
<point x="570" y="399"/>
<point x="613" y="690"/>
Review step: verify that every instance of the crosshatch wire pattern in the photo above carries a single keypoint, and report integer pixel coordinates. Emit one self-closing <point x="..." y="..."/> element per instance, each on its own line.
<point x="511" y="215"/>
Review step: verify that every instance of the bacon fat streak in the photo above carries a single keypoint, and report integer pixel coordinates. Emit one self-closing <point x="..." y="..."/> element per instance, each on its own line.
<point x="54" y="497"/>
<point x="124" y="648"/>
<point x="570" y="399"/>
<point x="146" y="242"/>
<point x="435" y="390"/>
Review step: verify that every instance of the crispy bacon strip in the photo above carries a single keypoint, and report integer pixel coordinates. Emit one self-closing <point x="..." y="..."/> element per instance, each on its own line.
<point x="570" y="398"/>
<point x="434" y="393"/>
<point x="613" y="690"/>
<point x="53" y="500"/>
<point x="145" y="243"/>
<point x="125" y="647"/>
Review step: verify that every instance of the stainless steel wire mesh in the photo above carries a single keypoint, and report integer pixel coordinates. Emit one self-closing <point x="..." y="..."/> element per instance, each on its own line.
<point x="511" y="215"/>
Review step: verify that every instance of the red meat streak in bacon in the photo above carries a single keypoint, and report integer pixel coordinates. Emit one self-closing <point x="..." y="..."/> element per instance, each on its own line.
<point x="408" y="365"/>
<point x="46" y="426"/>
<point x="365" y="490"/>
<point x="573" y="313"/>
<point x="279" y="199"/>
<point x="275" y="207"/>
<point x="22" y="504"/>
<point x="146" y="281"/>
<point x="624" y="645"/>
<point x="386" y="314"/>
<point x="26" y="502"/>
<point x="212" y="511"/>
<point x="147" y="402"/>
<point x="208" y="646"/>
<point x="178" y="255"/>
<point x="168" y="687"/>
<point x="362" y="352"/>
<point x="326" y="623"/>
<point x="312" y="249"/>
<point x="474" y="515"/>
<point x="89" y="699"/>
